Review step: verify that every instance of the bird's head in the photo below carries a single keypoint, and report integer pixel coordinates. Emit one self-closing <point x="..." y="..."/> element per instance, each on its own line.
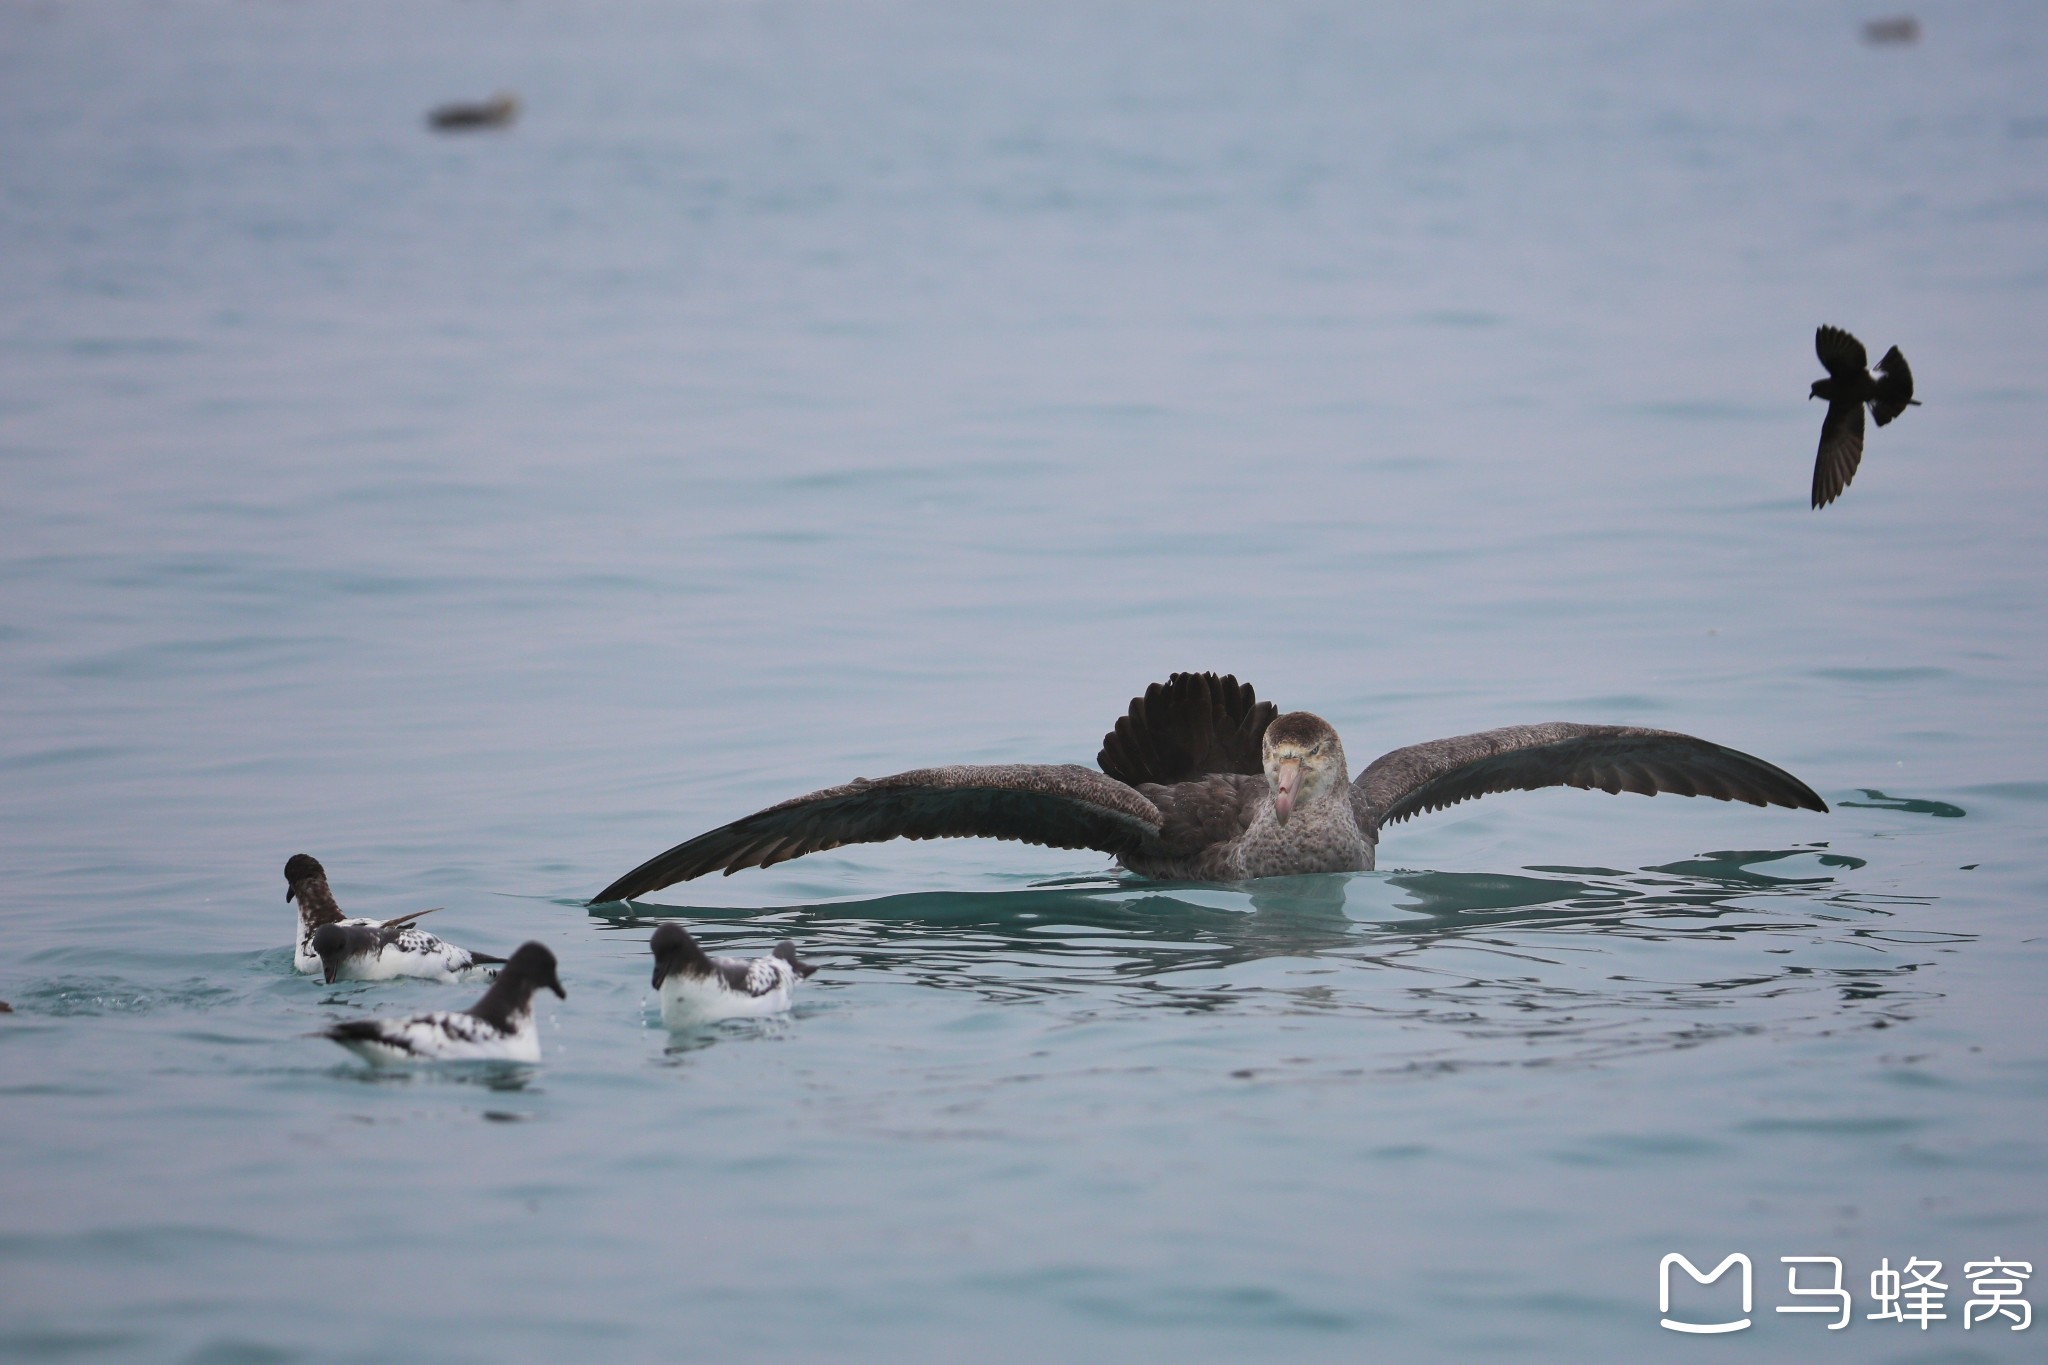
<point x="1815" y="392"/>
<point x="335" y="944"/>
<point x="676" y="953"/>
<point x="298" y="868"/>
<point x="1303" y="760"/>
<point x="533" y="964"/>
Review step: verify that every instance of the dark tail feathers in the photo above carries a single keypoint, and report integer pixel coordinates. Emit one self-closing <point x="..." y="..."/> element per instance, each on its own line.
<point x="1191" y="725"/>
<point x="787" y="952"/>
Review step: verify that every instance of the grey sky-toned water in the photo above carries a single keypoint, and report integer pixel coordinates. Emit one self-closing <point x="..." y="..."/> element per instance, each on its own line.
<point x="810" y="389"/>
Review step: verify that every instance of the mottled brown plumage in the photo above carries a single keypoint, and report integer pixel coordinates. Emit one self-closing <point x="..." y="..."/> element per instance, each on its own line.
<point x="1201" y="781"/>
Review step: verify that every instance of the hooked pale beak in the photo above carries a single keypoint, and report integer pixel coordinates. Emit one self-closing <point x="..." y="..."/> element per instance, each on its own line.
<point x="1287" y="785"/>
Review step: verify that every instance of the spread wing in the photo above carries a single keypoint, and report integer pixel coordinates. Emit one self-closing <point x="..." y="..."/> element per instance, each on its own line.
<point x="1614" y="758"/>
<point x="1841" y="450"/>
<point x="1057" y="805"/>
<point x="1840" y="354"/>
<point x="1894" y="387"/>
<point x="1188" y="727"/>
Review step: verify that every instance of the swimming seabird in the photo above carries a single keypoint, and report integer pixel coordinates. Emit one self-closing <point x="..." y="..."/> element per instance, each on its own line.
<point x="1848" y="387"/>
<point x="697" y="988"/>
<point x="498" y="1028"/>
<point x="368" y="949"/>
<point x="1201" y="781"/>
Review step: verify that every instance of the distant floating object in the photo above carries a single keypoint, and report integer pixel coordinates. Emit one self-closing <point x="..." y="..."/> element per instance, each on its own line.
<point x="6" y="1008"/>
<point x="1903" y="31"/>
<point x="498" y="111"/>
<point x="1848" y="388"/>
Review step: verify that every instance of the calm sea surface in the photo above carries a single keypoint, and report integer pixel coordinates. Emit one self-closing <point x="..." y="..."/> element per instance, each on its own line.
<point x="804" y="389"/>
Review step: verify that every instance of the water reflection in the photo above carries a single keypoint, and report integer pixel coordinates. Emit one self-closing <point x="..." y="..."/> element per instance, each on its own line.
<point x="499" y="1077"/>
<point x="1912" y="805"/>
<point x="1575" y="961"/>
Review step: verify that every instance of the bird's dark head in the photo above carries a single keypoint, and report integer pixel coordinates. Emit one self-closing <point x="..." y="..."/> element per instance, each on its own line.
<point x="675" y="952"/>
<point x="534" y="965"/>
<point x="1303" y="760"/>
<point x="1815" y="391"/>
<point x="298" y="868"/>
<point x="336" y="944"/>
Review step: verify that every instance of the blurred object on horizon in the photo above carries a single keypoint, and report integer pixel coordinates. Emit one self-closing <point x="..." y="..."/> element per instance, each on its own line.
<point x="498" y="111"/>
<point x="1903" y="30"/>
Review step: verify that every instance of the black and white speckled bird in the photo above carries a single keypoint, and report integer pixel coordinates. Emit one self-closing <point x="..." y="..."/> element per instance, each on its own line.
<point x="369" y="949"/>
<point x="498" y="1028"/>
<point x="1849" y="388"/>
<point x="1201" y="781"/>
<point x="697" y="988"/>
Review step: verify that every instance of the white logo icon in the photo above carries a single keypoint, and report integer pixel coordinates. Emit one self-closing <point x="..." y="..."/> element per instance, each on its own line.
<point x="1702" y="1328"/>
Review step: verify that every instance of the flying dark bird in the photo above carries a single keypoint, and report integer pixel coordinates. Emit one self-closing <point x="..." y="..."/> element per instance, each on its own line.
<point x="1201" y="781"/>
<point x="1847" y="388"/>
<point x="698" y="988"/>
<point x="497" y="1028"/>
<point x="367" y="949"/>
<point x="496" y="112"/>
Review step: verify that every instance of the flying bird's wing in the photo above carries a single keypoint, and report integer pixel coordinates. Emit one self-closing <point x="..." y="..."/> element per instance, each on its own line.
<point x="1841" y="450"/>
<point x="1894" y="387"/>
<point x="1189" y="726"/>
<point x="409" y="917"/>
<point x="1057" y="805"/>
<point x="1840" y="354"/>
<point x="1614" y="758"/>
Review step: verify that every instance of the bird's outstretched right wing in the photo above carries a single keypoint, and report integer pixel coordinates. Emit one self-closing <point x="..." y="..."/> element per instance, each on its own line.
<point x="1840" y="354"/>
<point x="1614" y="758"/>
<point x="1841" y="450"/>
<point x="1057" y="805"/>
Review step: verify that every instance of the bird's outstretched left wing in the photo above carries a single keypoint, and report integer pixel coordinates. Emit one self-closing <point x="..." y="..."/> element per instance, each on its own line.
<point x="1613" y="758"/>
<point x="1058" y="805"/>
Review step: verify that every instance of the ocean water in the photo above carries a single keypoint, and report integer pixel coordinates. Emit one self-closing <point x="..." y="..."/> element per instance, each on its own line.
<point x="805" y="388"/>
